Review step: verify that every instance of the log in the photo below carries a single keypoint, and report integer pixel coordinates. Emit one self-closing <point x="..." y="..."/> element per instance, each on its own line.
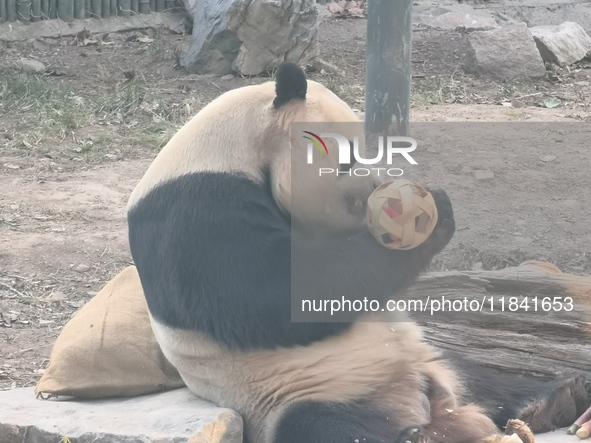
<point x="52" y="9"/>
<point x="106" y="9"/>
<point x="35" y="10"/>
<point x="97" y="8"/>
<point x="11" y="10"/>
<point x="2" y="11"/>
<point x="23" y="11"/>
<point x="546" y="341"/>
<point x="144" y="6"/>
<point x="79" y="9"/>
<point x="45" y="9"/>
<point x="124" y="8"/>
<point x="65" y="10"/>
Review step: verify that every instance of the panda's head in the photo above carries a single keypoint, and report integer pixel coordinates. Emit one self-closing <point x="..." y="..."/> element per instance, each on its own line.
<point x="248" y="131"/>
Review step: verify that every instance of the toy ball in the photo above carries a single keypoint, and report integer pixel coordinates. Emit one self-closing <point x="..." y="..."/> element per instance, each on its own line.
<point x="401" y="214"/>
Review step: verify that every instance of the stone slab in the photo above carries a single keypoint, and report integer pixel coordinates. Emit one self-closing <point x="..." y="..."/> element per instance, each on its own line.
<point x="558" y="436"/>
<point x="170" y="417"/>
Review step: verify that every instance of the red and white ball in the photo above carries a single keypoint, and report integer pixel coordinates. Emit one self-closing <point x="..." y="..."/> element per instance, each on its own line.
<point x="401" y="214"/>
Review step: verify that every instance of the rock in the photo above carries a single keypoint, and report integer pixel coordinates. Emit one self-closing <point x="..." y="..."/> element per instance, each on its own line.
<point x="82" y="268"/>
<point x="228" y="77"/>
<point x="29" y="65"/>
<point x="452" y="16"/>
<point x="480" y="174"/>
<point x="453" y="20"/>
<point x="516" y="103"/>
<point x="56" y="297"/>
<point x="562" y="45"/>
<point x="507" y="53"/>
<point x="164" y="418"/>
<point x="251" y="37"/>
<point x="466" y="170"/>
<point x="548" y="158"/>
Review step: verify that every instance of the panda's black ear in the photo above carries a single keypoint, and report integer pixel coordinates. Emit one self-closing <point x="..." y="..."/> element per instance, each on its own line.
<point x="290" y="84"/>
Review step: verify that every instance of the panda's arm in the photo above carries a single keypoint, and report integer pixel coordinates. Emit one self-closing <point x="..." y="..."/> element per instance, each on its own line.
<point x="216" y="256"/>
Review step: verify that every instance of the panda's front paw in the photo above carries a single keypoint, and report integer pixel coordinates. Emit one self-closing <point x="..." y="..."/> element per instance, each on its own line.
<point x="446" y="225"/>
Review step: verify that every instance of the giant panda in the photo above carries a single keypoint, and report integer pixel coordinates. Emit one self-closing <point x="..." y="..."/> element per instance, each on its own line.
<point x="211" y="231"/>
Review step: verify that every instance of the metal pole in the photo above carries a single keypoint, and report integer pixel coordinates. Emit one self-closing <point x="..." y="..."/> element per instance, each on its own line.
<point x="388" y="69"/>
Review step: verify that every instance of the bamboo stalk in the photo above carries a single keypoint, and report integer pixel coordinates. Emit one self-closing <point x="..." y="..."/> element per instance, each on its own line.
<point x="152" y="5"/>
<point x="36" y="10"/>
<point x="2" y="11"/>
<point x="97" y="8"/>
<point x="52" y="8"/>
<point x="65" y="10"/>
<point x="169" y="5"/>
<point x="45" y="9"/>
<point x="11" y="10"/>
<point x="159" y="5"/>
<point x="87" y="8"/>
<point x="144" y="6"/>
<point x="124" y="8"/>
<point x="134" y="4"/>
<point x="79" y="9"/>
<point x="106" y="12"/>
<point x="113" y="8"/>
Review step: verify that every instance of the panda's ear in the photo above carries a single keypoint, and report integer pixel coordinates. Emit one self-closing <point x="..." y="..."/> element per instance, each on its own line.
<point x="290" y="84"/>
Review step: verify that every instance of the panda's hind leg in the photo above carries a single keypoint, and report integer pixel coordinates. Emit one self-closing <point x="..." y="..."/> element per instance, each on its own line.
<point x="326" y="422"/>
<point x="561" y="408"/>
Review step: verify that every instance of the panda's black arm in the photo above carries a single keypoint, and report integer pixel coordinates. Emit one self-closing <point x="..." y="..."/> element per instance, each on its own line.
<point x="215" y="256"/>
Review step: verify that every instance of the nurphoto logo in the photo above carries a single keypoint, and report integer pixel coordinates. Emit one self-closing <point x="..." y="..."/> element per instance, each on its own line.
<point x="388" y="147"/>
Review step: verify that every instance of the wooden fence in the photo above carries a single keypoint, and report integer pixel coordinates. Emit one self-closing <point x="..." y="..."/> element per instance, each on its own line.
<point x="27" y="11"/>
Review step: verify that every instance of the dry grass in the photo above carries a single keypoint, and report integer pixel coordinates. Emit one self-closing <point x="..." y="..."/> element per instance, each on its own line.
<point x="55" y="123"/>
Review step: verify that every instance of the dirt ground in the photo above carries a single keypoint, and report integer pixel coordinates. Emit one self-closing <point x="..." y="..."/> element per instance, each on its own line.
<point x="74" y="143"/>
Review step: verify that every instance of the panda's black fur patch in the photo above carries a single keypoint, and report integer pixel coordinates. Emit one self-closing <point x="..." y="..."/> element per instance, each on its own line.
<point x="215" y="255"/>
<point x="313" y="421"/>
<point x="290" y="84"/>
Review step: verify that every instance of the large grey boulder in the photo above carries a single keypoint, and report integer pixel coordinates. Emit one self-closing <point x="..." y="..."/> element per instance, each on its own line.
<point x="170" y="417"/>
<point x="507" y="53"/>
<point x="251" y="36"/>
<point x="562" y="45"/>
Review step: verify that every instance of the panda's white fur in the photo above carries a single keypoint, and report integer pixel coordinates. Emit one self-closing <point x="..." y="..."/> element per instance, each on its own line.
<point x="220" y="139"/>
<point x="388" y="363"/>
<point x="374" y="379"/>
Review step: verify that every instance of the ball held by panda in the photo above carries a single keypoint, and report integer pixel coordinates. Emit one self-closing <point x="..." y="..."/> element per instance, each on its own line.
<point x="401" y="214"/>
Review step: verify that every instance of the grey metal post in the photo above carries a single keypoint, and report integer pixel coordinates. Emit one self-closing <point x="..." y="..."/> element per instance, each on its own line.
<point x="388" y="69"/>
